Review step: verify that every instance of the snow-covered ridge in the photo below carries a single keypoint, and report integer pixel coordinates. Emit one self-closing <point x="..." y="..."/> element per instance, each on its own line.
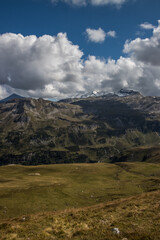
<point x="126" y="92"/>
<point x="121" y="93"/>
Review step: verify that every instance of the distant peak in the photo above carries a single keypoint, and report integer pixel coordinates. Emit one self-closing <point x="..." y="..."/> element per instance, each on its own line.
<point x="93" y="94"/>
<point x="126" y="92"/>
<point x="11" y="97"/>
<point x="14" y="95"/>
<point x="120" y="93"/>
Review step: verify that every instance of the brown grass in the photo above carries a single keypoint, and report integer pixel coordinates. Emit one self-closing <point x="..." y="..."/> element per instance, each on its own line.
<point x="136" y="217"/>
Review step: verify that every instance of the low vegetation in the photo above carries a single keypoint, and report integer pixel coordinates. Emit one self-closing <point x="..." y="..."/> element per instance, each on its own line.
<point x="51" y="202"/>
<point x="106" y="129"/>
<point x="137" y="218"/>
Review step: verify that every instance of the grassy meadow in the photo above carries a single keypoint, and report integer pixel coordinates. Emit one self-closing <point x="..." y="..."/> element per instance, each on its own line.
<point x="80" y="201"/>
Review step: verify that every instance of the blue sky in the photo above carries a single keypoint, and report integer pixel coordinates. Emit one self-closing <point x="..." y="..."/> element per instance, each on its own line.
<point x="42" y="17"/>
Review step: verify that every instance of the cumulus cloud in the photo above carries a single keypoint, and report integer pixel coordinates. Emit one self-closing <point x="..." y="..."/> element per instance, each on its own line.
<point x="146" y="50"/>
<point x="53" y="67"/>
<point x="96" y="35"/>
<point x="111" y="34"/>
<point x="112" y="75"/>
<point x="128" y="73"/>
<point x="31" y="63"/>
<point x="147" y="26"/>
<point x="3" y="92"/>
<point x="106" y="2"/>
<point x="140" y="70"/>
<point x="99" y="35"/>
<point x="92" y="2"/>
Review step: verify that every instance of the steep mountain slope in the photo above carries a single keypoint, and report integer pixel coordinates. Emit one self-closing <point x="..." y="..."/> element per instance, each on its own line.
<point x="112" y="127"/>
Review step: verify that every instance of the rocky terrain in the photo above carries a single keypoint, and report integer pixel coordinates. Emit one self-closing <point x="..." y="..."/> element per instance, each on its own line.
<point x="97" y="128"/>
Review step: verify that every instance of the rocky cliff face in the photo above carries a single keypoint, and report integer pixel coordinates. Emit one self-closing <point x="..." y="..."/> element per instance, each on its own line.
<point x="111" y="127"/>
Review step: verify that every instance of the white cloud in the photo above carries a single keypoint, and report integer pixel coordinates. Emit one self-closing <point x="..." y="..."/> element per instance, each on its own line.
<point x="111" y="75"/>
<point x="146" y="50"/>
<point x="111" y="34"/>
<point x="147" y="26"/>
<point x="3" y="92"/>
<point x="99" y="35"/>
<point x="96" y="35"/>
<point x="52" y="66"/>
<point x="35" y="64"/>
<point x="92" y="2"/>
<point x="106" y="2"/>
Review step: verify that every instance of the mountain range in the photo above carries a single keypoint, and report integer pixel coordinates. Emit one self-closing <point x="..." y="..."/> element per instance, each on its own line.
<point x="97" y="127"/>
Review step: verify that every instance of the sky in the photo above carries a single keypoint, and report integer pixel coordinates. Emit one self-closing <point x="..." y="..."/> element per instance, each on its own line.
<point x="65" y="48"/>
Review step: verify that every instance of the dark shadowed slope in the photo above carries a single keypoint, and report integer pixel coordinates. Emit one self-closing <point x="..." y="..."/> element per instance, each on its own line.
<point x="103" y="128"/>
<point x="11" y="97"/>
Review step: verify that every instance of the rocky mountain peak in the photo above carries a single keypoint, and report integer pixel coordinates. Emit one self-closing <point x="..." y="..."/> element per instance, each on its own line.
<point x="126" y="92"/>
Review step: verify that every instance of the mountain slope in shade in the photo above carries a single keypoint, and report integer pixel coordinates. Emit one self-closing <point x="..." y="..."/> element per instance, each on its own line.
<point x="107" y="128"/>
<point x="11" y="97"/>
